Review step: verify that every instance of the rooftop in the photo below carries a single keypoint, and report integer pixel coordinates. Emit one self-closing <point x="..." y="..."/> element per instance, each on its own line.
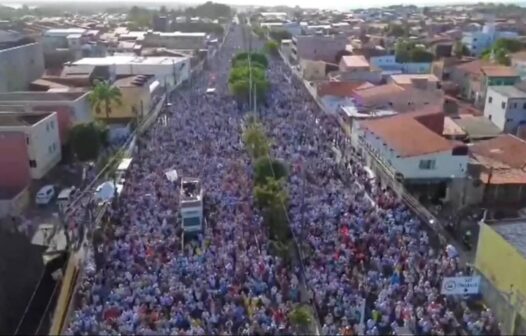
<point x="355" y="61"/>
<point x="65" y="31"/>
<point x="10" y="119"/>
<point x="499" y="71"/>
<point x="128" y="59"/>
<point x="514" y="232"/>
<point x="133" y="81"/>
<point x="407" y="136"/>
<point x="509" y="91"/>
<point x="23" y="96"/>
<point x="505" y="148"/>
<point x="477" y="127"/>
<point x="406" y="79"/>
<point x="338" y="89"/>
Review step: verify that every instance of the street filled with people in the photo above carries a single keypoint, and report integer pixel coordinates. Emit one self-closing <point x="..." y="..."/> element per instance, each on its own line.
<point x="370" y="266"/>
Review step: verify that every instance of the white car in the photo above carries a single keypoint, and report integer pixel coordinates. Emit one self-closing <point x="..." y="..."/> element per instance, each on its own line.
<point x="45" y="195"/>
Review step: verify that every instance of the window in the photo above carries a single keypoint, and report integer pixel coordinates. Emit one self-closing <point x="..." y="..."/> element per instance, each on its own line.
<point x="47" y="127"/>
<point x="489" y="117"/>
<point x="50" y="149"/>
<point x="32" y="163"/>
<point x="54" y="146"/>
<point x="514" y="105"/>
<point x="524" y="106"/>
<point x="52" y="124"/>
<point x="27" y="140"/>
<point x="503" y="105"/>
<point x="490" y="99"/>
<point x="427" y="164"/>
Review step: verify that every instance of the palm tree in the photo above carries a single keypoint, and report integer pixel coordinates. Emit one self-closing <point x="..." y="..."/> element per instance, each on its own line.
<point x="104" y="95"/>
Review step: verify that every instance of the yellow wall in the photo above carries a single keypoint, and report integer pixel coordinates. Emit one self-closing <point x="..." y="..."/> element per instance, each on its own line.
<point x="131" y="96"/>
<point x="502" y="265"/>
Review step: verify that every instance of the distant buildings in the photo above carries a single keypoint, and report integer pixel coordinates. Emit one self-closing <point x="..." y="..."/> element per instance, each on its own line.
<point x="160" y="23"/>
<point x="477" y="42"/>
<point x="317" y="48"/>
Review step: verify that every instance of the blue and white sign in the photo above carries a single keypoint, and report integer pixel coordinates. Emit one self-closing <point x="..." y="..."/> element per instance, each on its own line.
<point x="460" y="285"/>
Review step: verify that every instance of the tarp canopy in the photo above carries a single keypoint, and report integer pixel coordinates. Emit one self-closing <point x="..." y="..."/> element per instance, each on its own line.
<point x="171" y="175"/>
<point x="106" y="191"/>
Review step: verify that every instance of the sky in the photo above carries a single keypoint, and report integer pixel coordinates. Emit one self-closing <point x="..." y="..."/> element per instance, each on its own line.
<point x="339" y="4"/>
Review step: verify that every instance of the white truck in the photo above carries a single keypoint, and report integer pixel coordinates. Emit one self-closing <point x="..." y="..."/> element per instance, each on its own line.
<point x="191" y="205"/>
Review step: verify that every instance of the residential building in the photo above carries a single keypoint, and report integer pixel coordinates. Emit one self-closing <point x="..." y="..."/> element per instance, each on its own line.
<point x="463" y="75"/>
<point x="395" y="97"/>
<point x="334" y="95"/>
<point x="20" y="65"/>
<point x="411" y="148"/>
<point x="501" y="261"/>
<point x="389" y="64"/>
<point x="354" y="64"/>
<point x="317" y="48"/>
<point x="506" y="107"/>
<point x="160" y="23"/>
<point x="313" y="70"/>
<point x="42" y="140"/>
<point x="498" y="167"/>
<point x="427" y="81"/>
<point x="476" y="128"/>
<point x="273" y="16"/>
<point x="167" y="70"/>
<point x="495" y="75"/>
<point x="175" y="40"/>
<point x="478" y="41"/>
<point x="70" y="44"/>
<point x="136" y="99"/>
<point x="70" y="107"/>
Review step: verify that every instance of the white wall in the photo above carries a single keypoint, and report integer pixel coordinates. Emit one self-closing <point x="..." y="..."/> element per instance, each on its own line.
<point x="19" y="66"/>
<point x="446" y="165"/>
<point x="506" y="118"/>
<point x="332" y="104"/>
<point x="44" y="145"/>
<point x="381" y="61"/>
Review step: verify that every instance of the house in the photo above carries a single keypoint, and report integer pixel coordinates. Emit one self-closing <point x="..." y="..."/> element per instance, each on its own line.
<point x="69" y="44"/>
<point x="506" y="107"/>
<point x="410" y="148"/>
<point x="354" y="64"/>
<point x="356" y="69"/>
<point x="466" y="75"/>
<point x="313" y="70"/>
<point x="499" y="164"/>
<point x="41" y="149"/>
<point x="334" y="95"/>
<point x="441" y="47"/>
<point x="317" y="47"/>
<point x="70" y="107"/>
<point x="476" y="128"/>
<point x="395" y="97"/>
<point x="167" y="70"/>
<point x="20" y="65"/>
<point x="501" y="263"/>
<point x="136" y="98"/>
<point x="426" y="81"/>
<point x="495" y="75"/>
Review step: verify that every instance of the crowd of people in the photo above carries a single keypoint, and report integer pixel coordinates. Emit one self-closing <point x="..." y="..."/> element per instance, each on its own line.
<point x="370" y="266"/>
<point x="224" y="281"/>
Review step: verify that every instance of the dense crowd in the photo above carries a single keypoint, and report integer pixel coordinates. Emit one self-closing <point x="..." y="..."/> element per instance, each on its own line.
<point x="370" y="266"/>
<point x="222" y="282"/>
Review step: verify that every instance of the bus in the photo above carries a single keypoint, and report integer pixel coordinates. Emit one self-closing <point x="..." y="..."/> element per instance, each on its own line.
<point x="191" y="205"/>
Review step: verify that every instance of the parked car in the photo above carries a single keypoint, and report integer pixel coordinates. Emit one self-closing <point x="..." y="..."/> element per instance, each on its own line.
<point x="45" y="195"/>
<point x="65" y="196"/>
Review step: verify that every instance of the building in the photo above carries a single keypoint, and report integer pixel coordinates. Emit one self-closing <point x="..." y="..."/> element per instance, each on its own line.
<point x="70" y="107"/>
<point x="42" y="145"/>
<point x="464" y="74"/>
<point x="501" y="261"/>
<point x="136" y="98"/>
<point x="411" y="148"/>
<point x="478" y="41"/>
<point x="476" y="128"/>
<point x="334" y="95"/>
<point x="354" y="64"/>
<point x="160" y="23"/>
<point x="506" y="107"/>
<point x="20" y="65"/>
<point x="498" y="164"/>
<point x="313" y="70"/>
<point x="174" y="40"/>
<point x="70" y="44"/>
<point x="317" y="48"/>
<point x="389" y="65"/>
<point x="167" y="70"/>
<point x="395" y="97"/>
<point x="427" y="81"/>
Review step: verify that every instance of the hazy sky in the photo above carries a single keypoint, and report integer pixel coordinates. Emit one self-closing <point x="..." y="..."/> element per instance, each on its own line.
<point x="304" y="3"/>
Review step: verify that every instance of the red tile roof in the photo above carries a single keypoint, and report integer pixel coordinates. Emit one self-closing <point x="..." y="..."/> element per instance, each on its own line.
<point x="407" y="135"/>
<point x="499" y="71"/>
<point x="338" y="89"/>
<point x="473" y="68"/>
<point x="505" y="148"/>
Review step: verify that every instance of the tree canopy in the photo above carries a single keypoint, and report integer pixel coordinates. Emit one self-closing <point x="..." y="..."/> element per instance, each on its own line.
<point x="266" y="167"/>
<point x="211" y="10"/>
<point x="501" y="49"/>
<point x="272" y="47"/>
<point x="409" y="52"/>
<point x="255" y="140"/>
<point x="397" y="30"/>
<point x="280" y="35"/>
<point x="86" y="141"/>
<point x="254" y="57"/>
<point x="103" y="96"/>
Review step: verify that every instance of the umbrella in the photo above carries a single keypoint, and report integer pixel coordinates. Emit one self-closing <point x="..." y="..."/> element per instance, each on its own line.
<point x="171" y="175"/>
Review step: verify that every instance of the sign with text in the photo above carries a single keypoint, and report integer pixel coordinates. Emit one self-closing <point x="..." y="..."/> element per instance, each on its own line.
<point x="460" y="285"/>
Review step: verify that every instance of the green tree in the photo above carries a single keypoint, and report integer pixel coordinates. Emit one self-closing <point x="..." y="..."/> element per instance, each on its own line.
<point x="85" y="140"/>
<point x="397" y="30"/>
<point x="500" y="51"/>
<point x="420" y="55"/>
<point x="270" y="194"/>
<point x="239" y="82"/>
<point x="254" y="57"/>
<point x="276" y="221"/>
<point x="104" y="95"/>
<point x="301" y="318"/>
<point x="272" y="47"/>
<point x="256" y="141"/>
<point x="139" y="17"/>
<point x="266" y="168"/>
